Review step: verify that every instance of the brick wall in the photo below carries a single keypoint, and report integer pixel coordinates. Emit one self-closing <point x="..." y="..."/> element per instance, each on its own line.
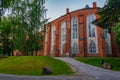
<point x="81" y="14"/>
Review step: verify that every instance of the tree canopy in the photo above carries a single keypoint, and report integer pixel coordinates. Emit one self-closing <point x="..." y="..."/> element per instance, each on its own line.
<point x="24" y="24"/>
<point x="110" y="13"/>
<point x="110" y="17"/>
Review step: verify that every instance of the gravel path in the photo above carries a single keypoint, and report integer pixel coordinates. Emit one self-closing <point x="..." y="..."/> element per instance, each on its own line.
<point x="99" y="73"/>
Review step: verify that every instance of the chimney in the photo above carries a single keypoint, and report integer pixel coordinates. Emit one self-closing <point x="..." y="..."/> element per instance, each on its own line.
<point x="67" y="10"/>
<point x="94" y="4"/>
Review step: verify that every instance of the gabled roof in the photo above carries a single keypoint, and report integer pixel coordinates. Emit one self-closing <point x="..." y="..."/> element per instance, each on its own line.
<point x="88" y="8"/>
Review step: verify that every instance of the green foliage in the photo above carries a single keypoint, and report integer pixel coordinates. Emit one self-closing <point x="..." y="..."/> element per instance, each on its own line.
<point x="110" y="17"/>
<point x="31" y="16"/>
<point x="4" y="5"/>
<point x="110" y="13"/>
<point x="32" y="65"/>
<point x="25" y="20"/>
<point x="115" y="62"/>
<point x="5" y="36"/>
<point x="117" y="31"/>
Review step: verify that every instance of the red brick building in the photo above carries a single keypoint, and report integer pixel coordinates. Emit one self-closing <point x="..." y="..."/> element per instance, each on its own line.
<point x="74" y="33"/>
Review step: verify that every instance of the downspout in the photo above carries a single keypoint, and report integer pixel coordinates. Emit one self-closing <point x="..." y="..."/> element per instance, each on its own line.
<point x="70" y="35"/>
<point x="49" y="41"/>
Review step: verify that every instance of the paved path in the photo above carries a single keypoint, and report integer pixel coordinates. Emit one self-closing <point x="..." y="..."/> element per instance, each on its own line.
<point x="99" y="73"/>
<point x="74" y="77"/>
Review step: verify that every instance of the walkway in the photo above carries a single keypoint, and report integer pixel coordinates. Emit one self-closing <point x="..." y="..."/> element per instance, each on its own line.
<point x="15" y="77"/>
<point x="99" y="73"/>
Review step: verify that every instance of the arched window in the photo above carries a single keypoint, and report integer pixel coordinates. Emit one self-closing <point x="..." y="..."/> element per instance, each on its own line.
<point x="92" y="35"/>
<point x="74" y="28"/>
<point x="92" y="47"/>
<point x="52" y="38"/>
<point x="91" y="27"/>
<point x="63" y="32"/>
<point x="108" y="41"/>
<point x="63" y="37"/>
<point x="53" y="34"/>
<point x="75" y="49"/>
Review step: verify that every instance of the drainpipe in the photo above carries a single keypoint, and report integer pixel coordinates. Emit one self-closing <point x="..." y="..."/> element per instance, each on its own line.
<point x="70" y="35"/>
<point x="49" y="49"/>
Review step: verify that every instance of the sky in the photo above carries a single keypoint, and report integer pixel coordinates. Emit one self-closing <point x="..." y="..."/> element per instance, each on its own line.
<point x="57" y="8"/>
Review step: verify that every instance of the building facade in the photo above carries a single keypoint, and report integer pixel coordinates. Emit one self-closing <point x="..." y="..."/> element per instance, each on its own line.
<point x="75" y="33"/>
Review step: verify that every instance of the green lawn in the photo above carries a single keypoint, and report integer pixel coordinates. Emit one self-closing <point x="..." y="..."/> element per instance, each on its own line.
<point x="32" y="65"/>
<point x="115" y="62"/>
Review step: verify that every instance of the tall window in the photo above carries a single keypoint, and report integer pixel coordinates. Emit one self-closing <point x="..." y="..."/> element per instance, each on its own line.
<point x="92" y="37"/>
<point x="74" y="48"/>
<point x="108" y="41"/>
<point x="52" y="37"/>
<point x="63" y="33"/>
<point x="74" y="28"/>
<point x="53" y="34"/>
<point x="63" y="36"/>
<point x="91" y="26"/>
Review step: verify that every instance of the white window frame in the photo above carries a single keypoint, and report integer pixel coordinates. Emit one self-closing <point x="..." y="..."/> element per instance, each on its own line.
<point x="53" y="31"/>
<point x="74" y="28"/>
<point x="63" y="36"/>
<point x="74" y="34"/>
<point x="93" y="37"/>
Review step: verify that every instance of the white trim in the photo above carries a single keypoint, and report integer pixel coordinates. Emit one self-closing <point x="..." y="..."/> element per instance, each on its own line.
<point x="63" y="25"/>
<point x="75" y="40"/>
<point x="91" y="38"/>
<point x="52" y="37"/>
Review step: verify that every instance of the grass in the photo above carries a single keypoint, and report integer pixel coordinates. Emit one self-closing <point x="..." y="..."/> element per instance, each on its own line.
<point x="32" y="65"/>
<point x="115" y="62"/>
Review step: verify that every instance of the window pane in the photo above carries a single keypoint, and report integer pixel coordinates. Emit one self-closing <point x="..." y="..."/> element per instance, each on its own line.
<point x="75" y="28"/>
<point x="92" y="47"/>
<point x="75" y="48"/>
<point x="63" y="32"/>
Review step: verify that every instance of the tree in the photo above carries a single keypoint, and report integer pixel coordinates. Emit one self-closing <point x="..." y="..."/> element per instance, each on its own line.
<point x="117" y="31"/>
<point x="110" y="17"/>
<point x="27" y="18"/>
<point x="110" y="13"/>
<point x="30" y="13"/>
<point x="5" y="4"/>
<point x="6" y="46"/>
<point x="6" y="37"/>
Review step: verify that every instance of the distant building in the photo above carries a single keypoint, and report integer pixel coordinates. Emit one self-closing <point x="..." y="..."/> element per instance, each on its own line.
<point x="75" y="33"/>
